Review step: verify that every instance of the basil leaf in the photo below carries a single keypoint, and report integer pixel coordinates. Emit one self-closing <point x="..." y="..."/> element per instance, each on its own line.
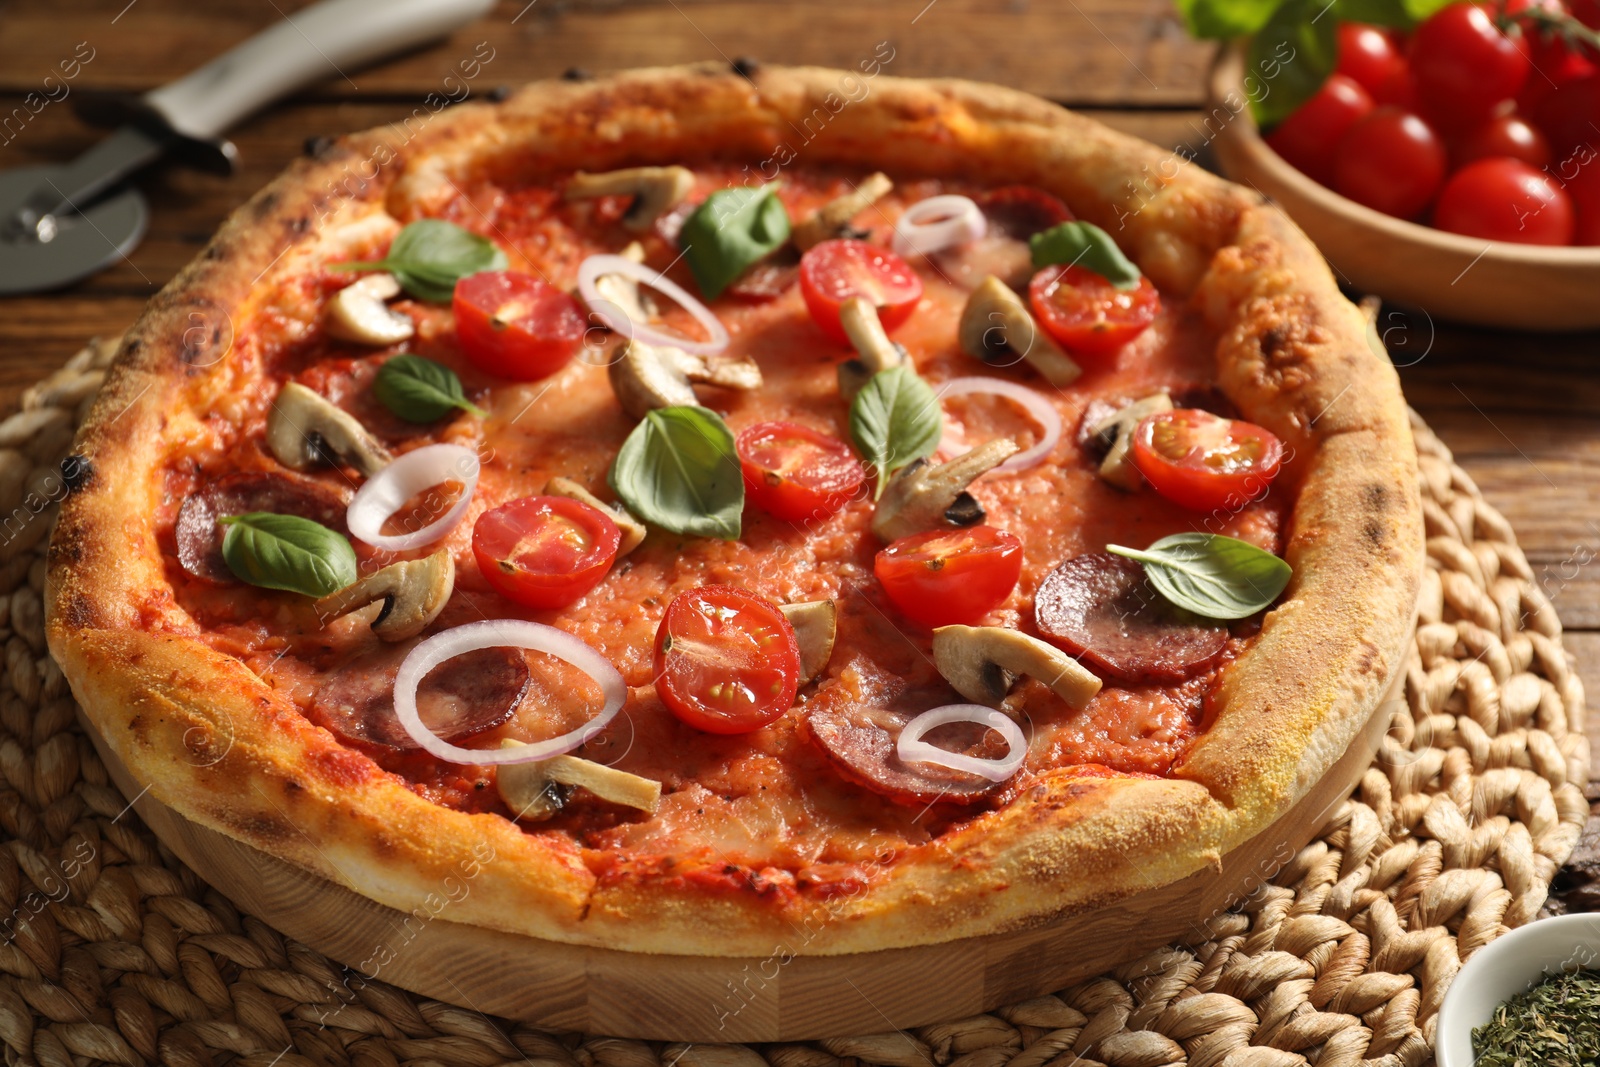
<point x="730" y="232"/>
<point x="429" y="256"/>
<point x="1379" y="12"/>
<point x="1083" y="244"/>
<point x="1221" y="20"/>
<point x="1211" y="575"/>
<point x="894" y="420"/>
<point x="1421" y="9"/>
<point x="420" y="390"/>
<point x="678" y="470"/>
<point x="1298" y="46"/>
<point x="287" y="552"/>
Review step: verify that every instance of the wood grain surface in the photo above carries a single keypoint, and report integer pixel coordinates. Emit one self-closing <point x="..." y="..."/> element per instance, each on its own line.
<point x="1521" y="411"/>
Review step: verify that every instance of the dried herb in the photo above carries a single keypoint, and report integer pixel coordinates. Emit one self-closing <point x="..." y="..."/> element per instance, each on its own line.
<point x="1554" y="1024"/>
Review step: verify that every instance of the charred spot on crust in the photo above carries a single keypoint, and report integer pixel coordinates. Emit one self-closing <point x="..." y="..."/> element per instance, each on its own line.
<point x="1377" y="496"/>
<point x="575" y="74"/>
<point x="76" y="470"/>
<point x="498" y="93"/>
<point x="1373" y="532"/>
<point x="1273" y="340"/>
<point x="262" y="827"/>
<point x="745" y="66"/>
<point x="300" y="224"/>
<point x="317" y="146"/>
<point x="265" y="205"/>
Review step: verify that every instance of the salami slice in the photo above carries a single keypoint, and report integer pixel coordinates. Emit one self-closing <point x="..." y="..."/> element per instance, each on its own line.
<point x="1104" y="610"/>
<point x="467" y="695"/>
<point x="768" y="279"/>
<point x="200" y="538"/>
<point x="1014" y="213"/>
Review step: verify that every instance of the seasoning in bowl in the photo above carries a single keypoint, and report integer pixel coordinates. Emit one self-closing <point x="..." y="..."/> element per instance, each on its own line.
<point x="1554" y="1024"/>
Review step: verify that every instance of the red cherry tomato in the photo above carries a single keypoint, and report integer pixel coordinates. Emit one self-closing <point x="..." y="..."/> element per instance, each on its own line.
<point x="726" y="660"/>
<point x="515" y="325"/>
<point x="1205" y="462"/>
<point x="1465" y="65"/>
<point x="1504" y="136"/>
<point x="834" y="271"/>
<point x="1584" y="189"/>
<point x="945" y="577"/>
<point x="795" y="473"/>
<point x="1391" y="161"/>
<point x="1368" y="56"/>
<point x="1308" y="138"/>
<point x="1505" y="200"/>
<point x="1552" y="60"/>
<point x="1570" y="115"/>
<point x="1086" y="313"/>
<point x="544" y="551"/>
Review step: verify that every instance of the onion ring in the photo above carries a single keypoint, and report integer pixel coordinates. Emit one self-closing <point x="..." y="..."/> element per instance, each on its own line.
<point x="504" y="633"/>
<point x="591" y="270"/>
<point x="911" y="748"/>
<point x="938" y="223"/>
<point x="1032" y="401"/>
<point x="388" y="490"/>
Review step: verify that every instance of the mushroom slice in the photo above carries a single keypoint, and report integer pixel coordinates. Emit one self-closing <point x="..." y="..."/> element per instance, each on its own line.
<point x="923" y="496"/>
<point x="833" y="218"/>
<point x="859" y="317"/>
<point x="412" y="592"/>
<point x="997" y="328"/>
<point x="358" y="312"/>
<point x="983" y="662"/>
<point x="655" y="191"/>
<point x="633" y="531"/>
<point x="646" y="377"/>
<point x="305" y="429"/>
<point x="535" y="791"/>
<point x="815" y="623"/>
<point x="624" y="291"/>
<point x="1117" y="468"/>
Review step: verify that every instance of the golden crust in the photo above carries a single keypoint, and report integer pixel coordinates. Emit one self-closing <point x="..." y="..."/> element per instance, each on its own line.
<point x="215" y="743"/>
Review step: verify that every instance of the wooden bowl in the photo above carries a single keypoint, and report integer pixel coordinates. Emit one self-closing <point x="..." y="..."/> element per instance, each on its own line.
<point x="1446" y="275"/>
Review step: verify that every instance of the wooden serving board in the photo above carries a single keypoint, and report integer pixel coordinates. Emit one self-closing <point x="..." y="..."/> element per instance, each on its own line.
<point x="706" y="999"/>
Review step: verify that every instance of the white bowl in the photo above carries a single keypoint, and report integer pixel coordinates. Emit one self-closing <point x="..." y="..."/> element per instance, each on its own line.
<point x="1506" y="967"/>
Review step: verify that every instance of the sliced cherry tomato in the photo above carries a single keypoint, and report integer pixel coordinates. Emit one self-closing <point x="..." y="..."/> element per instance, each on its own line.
<point x="834" y="271"/>
<point x="544" y="551"/>
<point x="515" y="325"/>
<point x="1465" y="64"/>
<point x="1506" y="137"/>
<point x="1086" y="313"/>
<point x="1505" y="200"/>
<point x="1391" y="161"/>
<point x="795" y="473"/>
<point x="945" y="577"/>
<point x="726" y="660"/>
<point x="1368" y="56"/>
<point x="1205" y="462"/>
<point x="1308" y="138"/>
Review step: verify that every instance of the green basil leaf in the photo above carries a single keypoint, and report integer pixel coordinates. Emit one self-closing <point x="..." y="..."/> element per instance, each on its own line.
<point x="1211" y="575"/>
<point x="420" y="390"/>
<point x="287" y="552"/>
<point x="429" y="256"/>
<point x="731" y="232"/>
<point x="1378" y="12"/>
<point x="678" y="470"/>
<point x="895" y="419"/>
<point x="1421" y="9"/>
<point x="1294" y="53"/>
<point x="1084" y="244"/>
<point x="1221" y="20"/>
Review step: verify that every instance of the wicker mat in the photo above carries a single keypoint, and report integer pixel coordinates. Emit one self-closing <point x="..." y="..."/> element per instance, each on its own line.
<point x="116" y="952"/>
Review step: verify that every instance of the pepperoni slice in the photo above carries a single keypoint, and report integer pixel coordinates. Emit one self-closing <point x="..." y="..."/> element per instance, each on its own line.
<point x="768" y="279"/>
<point x="1014" y="213"/>
<point x="467" y="695"/>
<point x="1020" y="211"/>
<point x="1104" y="610"/>
<point x="857" y="730"/>
<point x="200" y="538"/>
<point x="347" y="383"/>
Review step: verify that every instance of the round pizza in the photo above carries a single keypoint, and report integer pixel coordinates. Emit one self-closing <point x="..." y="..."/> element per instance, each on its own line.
<point x="696" y="501"/>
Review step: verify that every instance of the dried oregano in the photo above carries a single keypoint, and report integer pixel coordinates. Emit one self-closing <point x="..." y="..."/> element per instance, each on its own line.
<point x="1554" y="1024"/>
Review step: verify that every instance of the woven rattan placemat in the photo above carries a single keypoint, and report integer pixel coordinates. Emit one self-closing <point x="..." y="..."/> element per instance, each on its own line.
<point x="113" y="951"/>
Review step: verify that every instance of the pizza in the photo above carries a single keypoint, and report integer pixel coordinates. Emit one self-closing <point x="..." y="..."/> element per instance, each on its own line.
<point x="699" y="501"/>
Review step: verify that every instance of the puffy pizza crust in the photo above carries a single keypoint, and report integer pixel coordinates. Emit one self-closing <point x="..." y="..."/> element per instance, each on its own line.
<point x="215" y="743"/>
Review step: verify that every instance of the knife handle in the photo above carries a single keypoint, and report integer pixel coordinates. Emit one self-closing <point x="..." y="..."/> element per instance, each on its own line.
<point x="311" y="45"/>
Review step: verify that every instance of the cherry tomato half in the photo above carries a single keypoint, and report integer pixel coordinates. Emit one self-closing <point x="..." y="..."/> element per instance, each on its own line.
<point x="1205" y="462"/>
<point x="1368" y="56"/>
<point x="726" y="660"/>
<point x="945" y="577"/>
<point x="834" y="271"/>
<point x="795" y="473"/>
<point x="1505" y="200"/>
<point x="1391" y="161"/>
<point x="515" y="325"/>
<point x="1504" y="136"/>
<point x="1308" y="138"/>
<point x="1464" y="64"/>
<point x="1086" y="313"/>
<point x="544" y="551"/>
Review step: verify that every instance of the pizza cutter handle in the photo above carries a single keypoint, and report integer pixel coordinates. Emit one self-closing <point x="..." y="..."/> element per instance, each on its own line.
<point x="329" y="39"/>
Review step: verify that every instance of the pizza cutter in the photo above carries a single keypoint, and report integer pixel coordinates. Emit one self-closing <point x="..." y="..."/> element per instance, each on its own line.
<point x="64" y="222"/>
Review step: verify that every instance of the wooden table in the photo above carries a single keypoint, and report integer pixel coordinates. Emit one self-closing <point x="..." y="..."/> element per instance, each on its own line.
<point x="1521" y="411"/>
